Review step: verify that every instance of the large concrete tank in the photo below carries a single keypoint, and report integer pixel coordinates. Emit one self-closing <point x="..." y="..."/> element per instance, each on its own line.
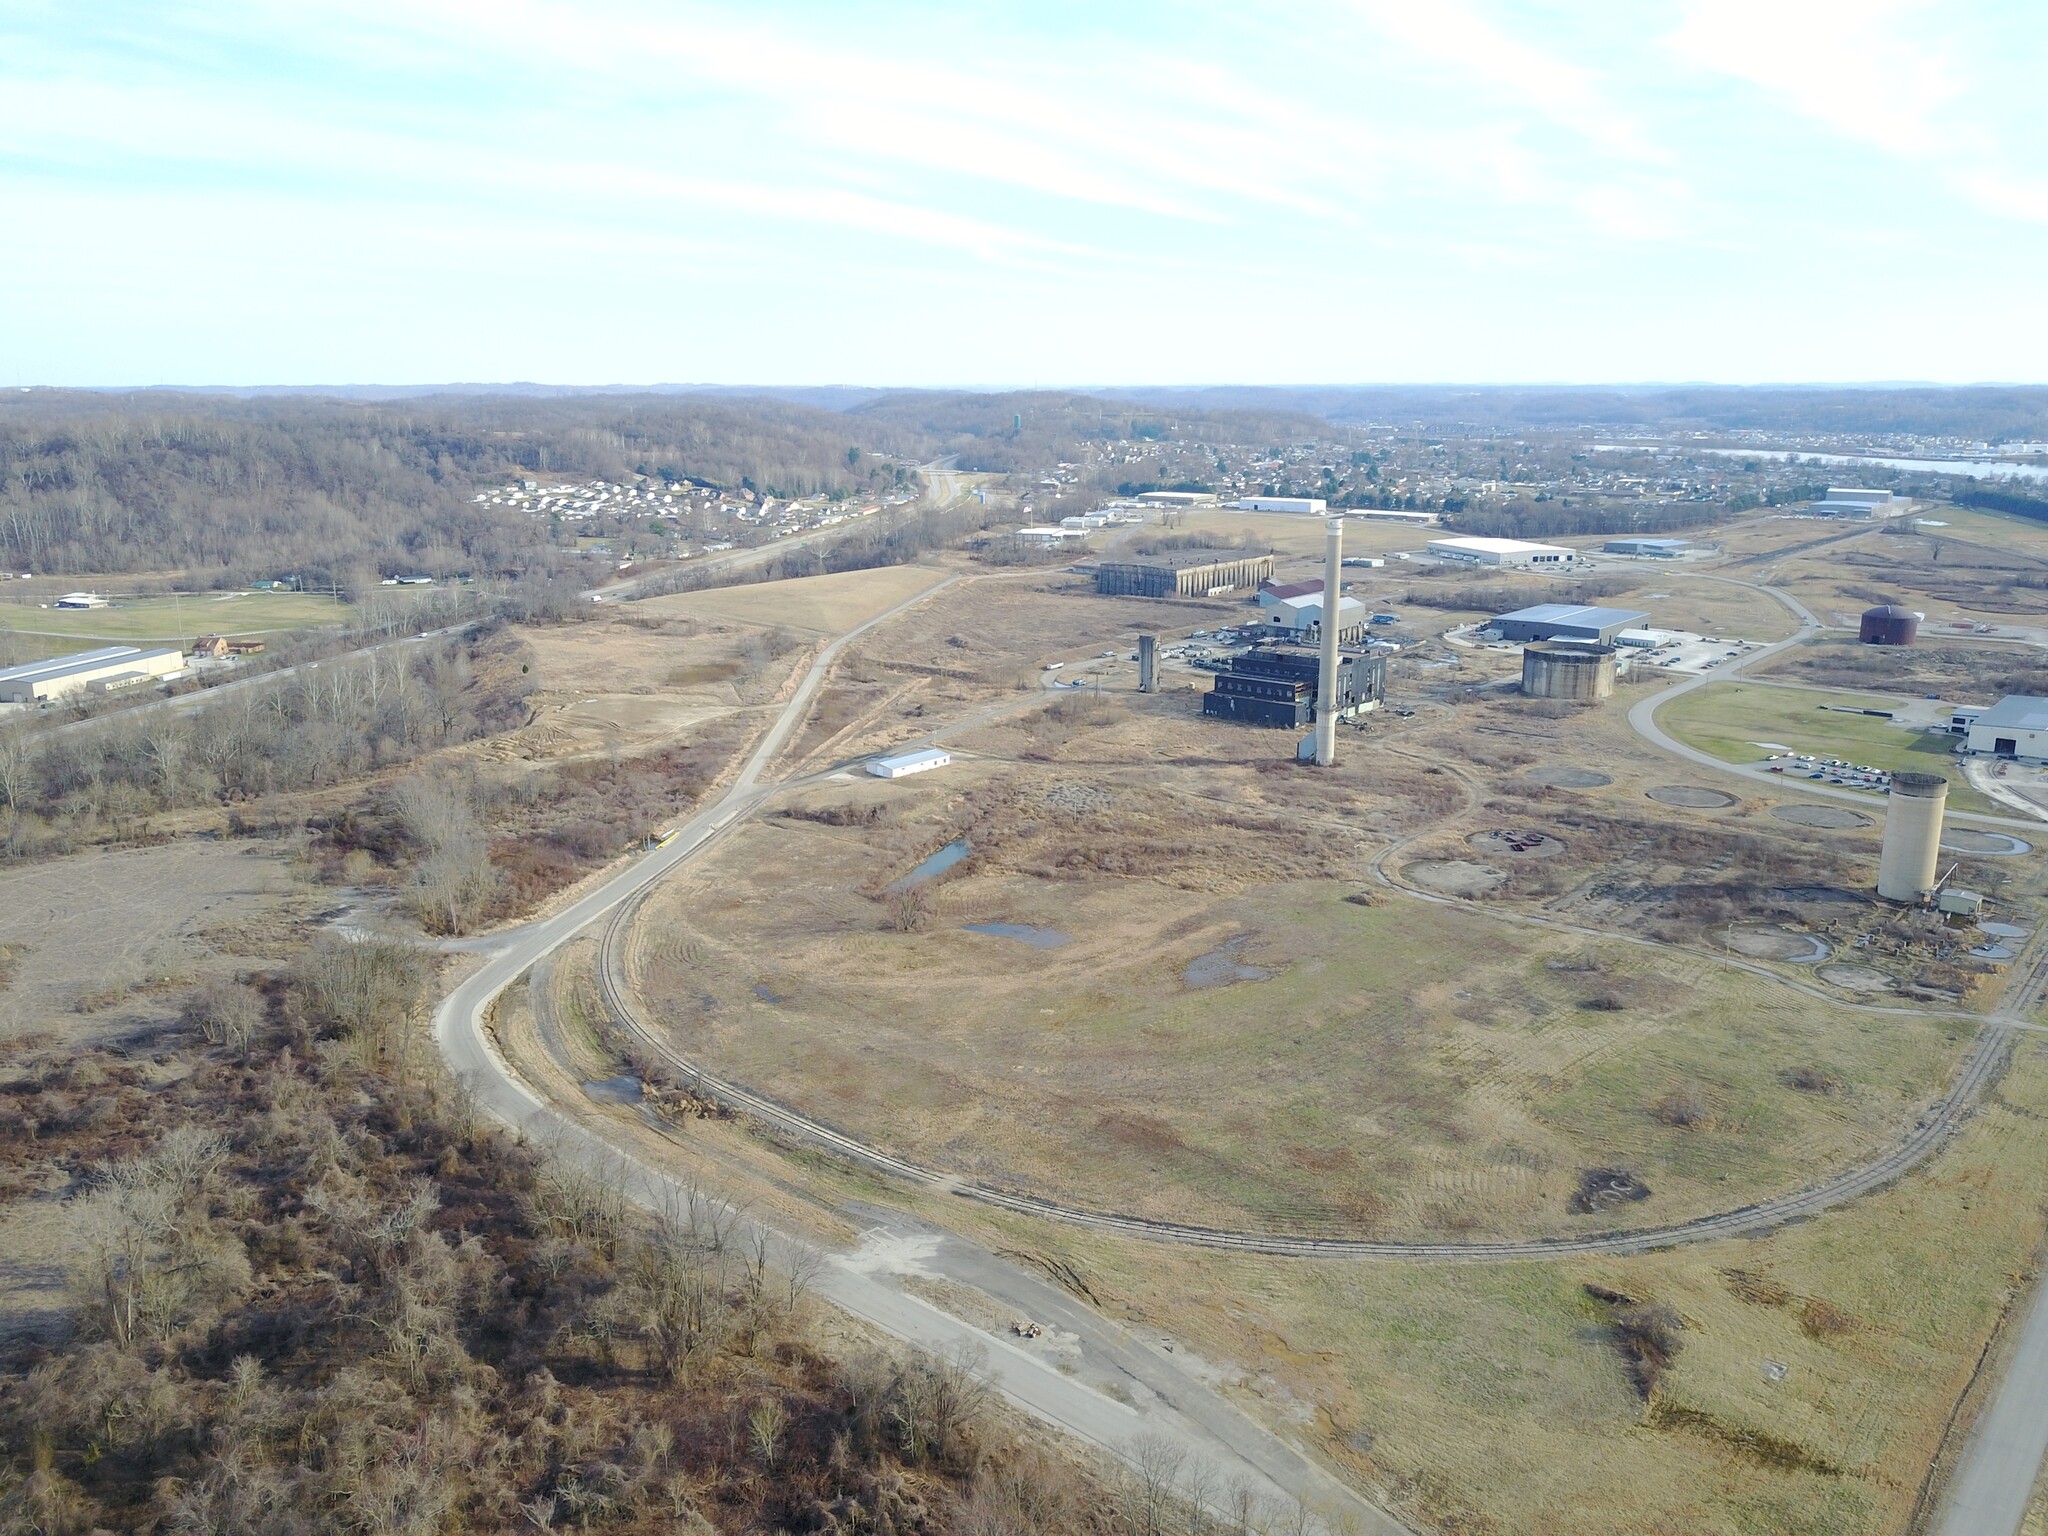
<point x="1889" y="624"/>
<point x="1912" y="836"/>
<point x="1148" y="663"/>
<point x="1564" y="669"/>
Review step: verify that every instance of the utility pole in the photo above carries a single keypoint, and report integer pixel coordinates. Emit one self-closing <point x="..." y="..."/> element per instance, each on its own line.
<point x="1332" y="621"/>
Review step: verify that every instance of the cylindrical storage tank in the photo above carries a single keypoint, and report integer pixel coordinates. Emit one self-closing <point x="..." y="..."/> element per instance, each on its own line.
<point x="1889" y="624"/>
<point x="1559" y="669"/>
<point x="1912" y="836"/>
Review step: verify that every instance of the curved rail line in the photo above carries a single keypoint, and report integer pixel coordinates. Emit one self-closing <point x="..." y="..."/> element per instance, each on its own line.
<point x="1980" y="1067"/>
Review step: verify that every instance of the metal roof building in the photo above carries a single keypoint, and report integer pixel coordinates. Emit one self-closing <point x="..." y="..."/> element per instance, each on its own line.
<point x="1567" y="621"/>
<point x="1188" y="575"/>
<point x="1656" y="549"/>
<point x="903" y="764"/>
<point x="2016" y="726"/>
<point x="106" y="669"/>
<point x="1517" y="554"/>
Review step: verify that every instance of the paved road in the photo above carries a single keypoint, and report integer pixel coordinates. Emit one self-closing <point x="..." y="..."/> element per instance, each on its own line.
<point x="1989" y="1493"/>
<point x="1642" y="718"/>
<point x="191" y="703"/>
<point x="1175" y="1406"/>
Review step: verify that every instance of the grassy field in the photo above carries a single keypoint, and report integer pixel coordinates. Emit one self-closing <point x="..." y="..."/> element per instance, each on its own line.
<point x="1400" y="1069"/>
<point x="168" y="619"/>
<point x="822" y="604"/>
<point x="1729" y="719"/>
<point x="1495" y="1399"/>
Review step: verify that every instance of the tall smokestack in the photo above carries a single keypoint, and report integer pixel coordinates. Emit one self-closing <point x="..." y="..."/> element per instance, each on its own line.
<point x="1333" y="620"/>
<point x="1148" y="663"/>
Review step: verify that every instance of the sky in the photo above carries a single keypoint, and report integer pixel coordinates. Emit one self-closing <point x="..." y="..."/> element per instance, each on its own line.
<point x="907" y="192"/>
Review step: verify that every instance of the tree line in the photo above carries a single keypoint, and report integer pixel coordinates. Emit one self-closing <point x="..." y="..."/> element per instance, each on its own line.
<point x="233" y="489"/>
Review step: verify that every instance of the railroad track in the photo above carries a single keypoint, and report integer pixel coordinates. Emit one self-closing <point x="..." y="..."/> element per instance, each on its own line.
<point x="1981" y="1067"/>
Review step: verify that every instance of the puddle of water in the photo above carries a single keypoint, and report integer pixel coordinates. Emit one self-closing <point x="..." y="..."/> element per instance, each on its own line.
<point x="1220" y="967"/>
<point x="937" y="864"/>
<point x="616" y="1090"/>
<point x="767" y="994"/>
<point x="2003" y="930"/>
<point x="1037" y="938"/>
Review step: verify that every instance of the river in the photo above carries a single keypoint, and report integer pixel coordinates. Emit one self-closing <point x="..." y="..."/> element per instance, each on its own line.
<point x="1976" y="469"/>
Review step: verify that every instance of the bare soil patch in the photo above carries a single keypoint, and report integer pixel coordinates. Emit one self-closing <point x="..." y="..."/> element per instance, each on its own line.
<point x="1454" y="877"/>
<point x="1836" y="816"/>
<point x="1856" y="978"/>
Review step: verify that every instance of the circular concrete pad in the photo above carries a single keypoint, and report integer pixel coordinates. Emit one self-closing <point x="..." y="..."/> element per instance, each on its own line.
<point x="1968" y="840"/>
<point x="1820" y="816"/>
<point x="1776" y="944"/>
<point x="1454" y="877"/>
<point x="1855" y="978"/>
<point x="1690" y="796"/>
<point x="1567" y="778"/>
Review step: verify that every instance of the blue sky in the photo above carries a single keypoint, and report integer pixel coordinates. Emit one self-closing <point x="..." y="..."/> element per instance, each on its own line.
<point x="273" y="191"/>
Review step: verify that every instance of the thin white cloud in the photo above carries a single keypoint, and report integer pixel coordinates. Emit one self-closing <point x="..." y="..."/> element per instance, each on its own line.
<point x="1564" y="92"/>
<point x="1861" y="67"/>
<point x="1886" y="73"/>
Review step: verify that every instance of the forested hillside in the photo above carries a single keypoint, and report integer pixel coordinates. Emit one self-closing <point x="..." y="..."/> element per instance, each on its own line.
<point x="238" y="488"/>
<point x="1032" y="429"/>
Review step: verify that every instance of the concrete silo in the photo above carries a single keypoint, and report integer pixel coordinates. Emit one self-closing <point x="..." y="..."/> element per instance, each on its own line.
<point x="1912" y="836"/>
<point x="1563" y="669"/>
<point x="1889" y="624"/>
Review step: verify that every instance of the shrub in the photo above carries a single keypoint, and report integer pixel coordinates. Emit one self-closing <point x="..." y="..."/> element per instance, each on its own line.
<point x="1684" y="1108"/>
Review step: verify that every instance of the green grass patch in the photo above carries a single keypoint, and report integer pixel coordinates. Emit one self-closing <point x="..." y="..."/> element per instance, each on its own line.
<point x="171" y="619"/>
<point x="1729" y="719"/>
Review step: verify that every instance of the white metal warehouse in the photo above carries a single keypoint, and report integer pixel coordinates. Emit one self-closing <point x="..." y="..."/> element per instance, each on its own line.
<point x="106" y="670"/>
<point x="2016" y="726"/>
<point x="1515" y="553"/>
<point x="904" y="764"/>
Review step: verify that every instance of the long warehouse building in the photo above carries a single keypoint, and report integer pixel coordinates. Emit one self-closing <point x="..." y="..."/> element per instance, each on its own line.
<point x="1194" y="575"/>
<point x="107" y="670"/>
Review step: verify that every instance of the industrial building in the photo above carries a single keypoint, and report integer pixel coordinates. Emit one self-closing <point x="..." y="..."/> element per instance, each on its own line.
<point x="1568" y="669"/>
<point x="1396" y="515"/>
<point x="903" y="764"/>
<point x="1176" y="498"/>
<point x="1302" y="615"/>
<point x="1888" y="624"/>
<point x="1566" y="621"/>
<point x="81" y="600"/>
<point x="1046" y="537"/>
<point x="1912" y="836"/>
<point x="2016" y="726"/>
<point x="1853" y="501"/>
<point x="1276" y="685"/>
<point x="1190" y="575"/>
<point x="1654" y="549"/>
<point x="1311" y="505"/>
<point x="107" y="670"/>
<point x="1508" y="554"/>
